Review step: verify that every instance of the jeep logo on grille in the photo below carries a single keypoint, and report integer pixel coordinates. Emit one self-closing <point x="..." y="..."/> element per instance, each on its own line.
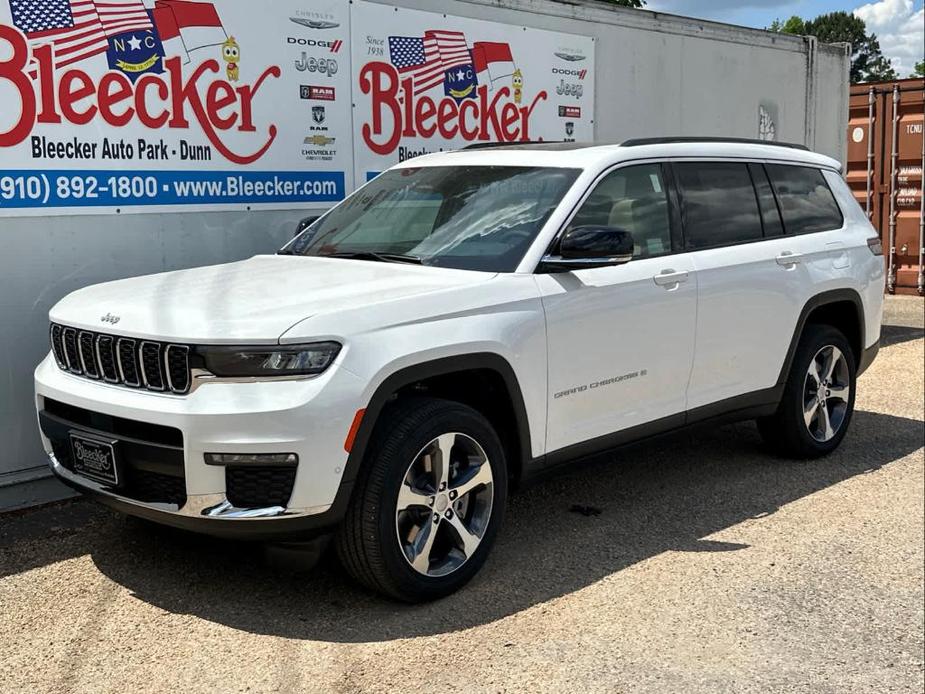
<point x="109" y="318"/>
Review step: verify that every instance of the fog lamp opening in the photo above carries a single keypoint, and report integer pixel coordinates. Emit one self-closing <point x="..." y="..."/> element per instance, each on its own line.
<point x="224" y="459"/>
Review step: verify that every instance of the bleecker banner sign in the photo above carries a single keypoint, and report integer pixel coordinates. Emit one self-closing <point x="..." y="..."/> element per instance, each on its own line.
<point x="425" y="82"/>
<point x="137" y="105"/>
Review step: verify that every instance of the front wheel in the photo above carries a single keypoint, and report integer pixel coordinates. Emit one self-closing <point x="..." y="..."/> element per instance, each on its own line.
<point x="428" y="503"/>
<point x="818" y="398"/>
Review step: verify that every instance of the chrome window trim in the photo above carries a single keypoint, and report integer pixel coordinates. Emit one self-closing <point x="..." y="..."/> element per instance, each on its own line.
<point x="672" y="184"/>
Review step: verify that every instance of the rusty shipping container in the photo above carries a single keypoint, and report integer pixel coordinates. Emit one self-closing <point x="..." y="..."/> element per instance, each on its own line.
<point x="885" y="164"/>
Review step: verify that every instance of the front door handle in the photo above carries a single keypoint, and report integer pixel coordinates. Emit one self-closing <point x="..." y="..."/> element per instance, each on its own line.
<point x="788" y="259"/>
<point x="670" y="278"/>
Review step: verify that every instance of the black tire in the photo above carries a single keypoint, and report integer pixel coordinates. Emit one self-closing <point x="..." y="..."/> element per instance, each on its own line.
<point x="786" y="431"/>
<point x="368" y="543"/>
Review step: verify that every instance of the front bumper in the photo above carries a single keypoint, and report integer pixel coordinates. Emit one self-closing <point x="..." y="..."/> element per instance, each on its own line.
<point x="210" y="514"/>
<point x="308" y="417"/>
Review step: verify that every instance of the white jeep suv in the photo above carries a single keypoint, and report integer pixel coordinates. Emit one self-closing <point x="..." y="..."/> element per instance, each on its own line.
<point x="464" y="322"/>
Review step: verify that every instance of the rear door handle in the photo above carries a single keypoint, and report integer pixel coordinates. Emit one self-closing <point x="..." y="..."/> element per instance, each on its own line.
<point x="669" y="278"/>
<point x="787" y="258"/>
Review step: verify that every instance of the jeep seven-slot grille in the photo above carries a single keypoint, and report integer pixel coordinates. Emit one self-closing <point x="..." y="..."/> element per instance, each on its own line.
<point x="122" y="360"/>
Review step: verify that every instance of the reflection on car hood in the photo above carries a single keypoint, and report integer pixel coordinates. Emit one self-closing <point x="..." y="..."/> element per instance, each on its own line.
<point x="253" y="301"/>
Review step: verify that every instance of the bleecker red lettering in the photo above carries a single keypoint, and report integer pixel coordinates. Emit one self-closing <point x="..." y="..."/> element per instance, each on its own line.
<point x="469" y="105"/>
<point x="447" y="113"/>
<point x="11" y="70"/>
<point x="423" y="112"/>
<point x="115" y="87"/>
<point x="408" y="95"/>
<point x="117" y="100"/>
<point x="44" y="57"/>
<point x="181" y="94"/>
<point x="219" y="96"/>
<point x="69" y="95"/>
<point x="247" y="94"/>
<point x="489" y="113"/>
<point x="397" y="113"/>
<point x="141" y="104"/>
<point x="510" y="115"/>
<point x="381" y="81"/>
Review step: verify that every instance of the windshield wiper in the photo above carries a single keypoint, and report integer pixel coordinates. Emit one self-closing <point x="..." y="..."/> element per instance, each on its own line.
<point x="374" y="255"/>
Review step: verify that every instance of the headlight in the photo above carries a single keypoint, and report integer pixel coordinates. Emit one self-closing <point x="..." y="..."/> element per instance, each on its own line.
<point x="294" y="360"/>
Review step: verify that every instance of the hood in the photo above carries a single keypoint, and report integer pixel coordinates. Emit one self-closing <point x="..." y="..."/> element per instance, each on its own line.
<point x="253" y="301"/>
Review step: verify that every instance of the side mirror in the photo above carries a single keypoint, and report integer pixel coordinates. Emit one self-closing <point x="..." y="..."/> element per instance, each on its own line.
<point x="304" y="224"/>
<point x="587" y="247"/>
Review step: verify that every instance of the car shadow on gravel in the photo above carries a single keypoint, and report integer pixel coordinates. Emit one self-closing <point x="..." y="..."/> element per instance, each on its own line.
<point x="895" y="334"/>
<point x="653" y="497"/>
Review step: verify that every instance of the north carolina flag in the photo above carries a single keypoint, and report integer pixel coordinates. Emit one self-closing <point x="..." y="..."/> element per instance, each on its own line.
<point x="492" y="61"/>
<point x="186" y="26"/>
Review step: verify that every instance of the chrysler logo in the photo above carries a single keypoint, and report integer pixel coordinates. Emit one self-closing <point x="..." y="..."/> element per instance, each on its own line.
<point x="109" y="318"/>
<point x="314" y="23"/>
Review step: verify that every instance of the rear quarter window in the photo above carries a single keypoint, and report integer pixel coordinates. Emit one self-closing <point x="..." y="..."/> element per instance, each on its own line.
<point x="806" y="201"/>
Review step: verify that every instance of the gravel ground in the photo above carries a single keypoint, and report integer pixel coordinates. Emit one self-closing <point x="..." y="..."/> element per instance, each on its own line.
<point x="712" y="567"/>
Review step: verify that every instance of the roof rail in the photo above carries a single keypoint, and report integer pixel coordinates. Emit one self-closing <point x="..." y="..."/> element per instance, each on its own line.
<point x="638" y="142"/>
<point x="517" y="143"/>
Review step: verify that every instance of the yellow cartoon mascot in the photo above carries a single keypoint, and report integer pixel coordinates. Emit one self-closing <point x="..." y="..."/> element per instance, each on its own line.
<point x="518" y="83"/>
<point x="231" y="53"/>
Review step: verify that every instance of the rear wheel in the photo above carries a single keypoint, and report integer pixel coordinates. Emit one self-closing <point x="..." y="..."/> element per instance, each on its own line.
<point x="818" y="399"/>
<point x="429" y="502"/>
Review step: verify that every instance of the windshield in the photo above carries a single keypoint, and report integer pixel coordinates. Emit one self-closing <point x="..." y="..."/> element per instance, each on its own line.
<point x="465" y="217"/>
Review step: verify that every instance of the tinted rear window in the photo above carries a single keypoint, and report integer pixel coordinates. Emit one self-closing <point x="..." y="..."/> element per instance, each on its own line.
<point x="718" y="204"/>
<point x="806" y="202"/>
<point x="769" y="212"/>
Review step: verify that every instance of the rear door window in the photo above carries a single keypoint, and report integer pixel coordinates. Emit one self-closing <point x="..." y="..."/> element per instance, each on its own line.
<point x="718" y="204"/>
<point x="806" y="202"/>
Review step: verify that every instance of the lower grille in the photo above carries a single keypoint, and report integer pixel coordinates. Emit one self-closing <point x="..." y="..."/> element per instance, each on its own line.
<point x="151" y="456"/>
<point x="154" y="487"/>
<point x="259" y="487"/>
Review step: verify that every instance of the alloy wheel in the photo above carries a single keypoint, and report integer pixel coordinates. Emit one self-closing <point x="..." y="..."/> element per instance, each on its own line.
<point x="444" y="504"/>
<point x="826" y="393"/>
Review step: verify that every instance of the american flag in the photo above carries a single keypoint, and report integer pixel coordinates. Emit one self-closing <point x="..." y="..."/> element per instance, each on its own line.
<point x="427" y="58"/>
<point x="77" y="29"/>
<point x="119" y="16"/>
